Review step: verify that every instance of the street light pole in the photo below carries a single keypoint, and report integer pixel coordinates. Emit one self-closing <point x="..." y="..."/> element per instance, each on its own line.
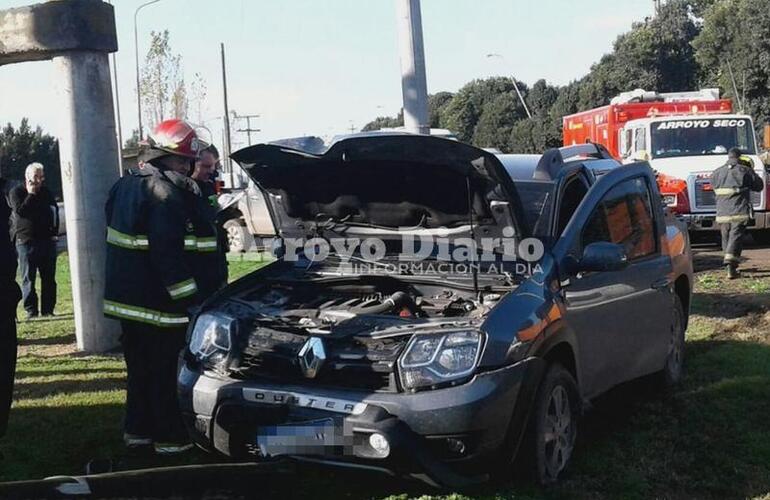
<point x="515" y="86"/>
<point x="136" y="57"/>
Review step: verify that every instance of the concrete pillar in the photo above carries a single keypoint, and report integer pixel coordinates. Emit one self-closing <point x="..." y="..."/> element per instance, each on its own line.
<point x="89" y="159"/>
<point x="413" y="82"/>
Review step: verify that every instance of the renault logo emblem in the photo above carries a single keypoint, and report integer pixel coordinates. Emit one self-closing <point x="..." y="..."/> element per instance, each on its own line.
<point x="312" y="356"/>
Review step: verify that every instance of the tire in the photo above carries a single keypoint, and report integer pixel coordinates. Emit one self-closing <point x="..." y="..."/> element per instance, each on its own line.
<point x="673" y="370"/>
<point x="237" y="236"/>
<point x="552" y="429"/>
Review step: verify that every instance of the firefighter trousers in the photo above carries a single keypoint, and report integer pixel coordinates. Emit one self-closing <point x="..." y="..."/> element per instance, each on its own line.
<point x="151" y="355"/>
<point x="732" y="241"/>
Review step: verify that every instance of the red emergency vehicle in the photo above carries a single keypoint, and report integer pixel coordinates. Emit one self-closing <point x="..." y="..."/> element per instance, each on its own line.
<point x="684" y="136"/>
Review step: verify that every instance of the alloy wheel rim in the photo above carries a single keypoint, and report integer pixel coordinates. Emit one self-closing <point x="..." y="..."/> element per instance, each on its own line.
<point x="559" y="436"/>
<point x="233" y="237"/>
<point x="675" y="347"/>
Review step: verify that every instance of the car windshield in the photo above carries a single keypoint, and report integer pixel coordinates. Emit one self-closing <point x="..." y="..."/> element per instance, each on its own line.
<point x="536" y="201"/>
<point x="701" y="137"/>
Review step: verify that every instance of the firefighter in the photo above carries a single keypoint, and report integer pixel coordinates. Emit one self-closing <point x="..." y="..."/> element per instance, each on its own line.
<point x="732" y="184"/>
<point x="9" y="297"/>
<point x="162" y="260"/>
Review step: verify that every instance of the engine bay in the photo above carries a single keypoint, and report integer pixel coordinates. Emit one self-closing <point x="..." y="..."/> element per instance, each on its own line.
<point x="311" y="303"/>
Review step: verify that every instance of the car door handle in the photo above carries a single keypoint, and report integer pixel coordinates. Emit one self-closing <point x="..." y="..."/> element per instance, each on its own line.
<point x="660" y="284"/>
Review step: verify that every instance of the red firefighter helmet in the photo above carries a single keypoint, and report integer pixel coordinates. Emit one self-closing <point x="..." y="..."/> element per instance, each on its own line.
<point x="176" y="137"/>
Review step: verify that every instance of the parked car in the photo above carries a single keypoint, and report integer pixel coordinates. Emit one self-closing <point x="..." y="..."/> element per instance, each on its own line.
<point x="446" y="376"/>
<point x="246" y="218"/>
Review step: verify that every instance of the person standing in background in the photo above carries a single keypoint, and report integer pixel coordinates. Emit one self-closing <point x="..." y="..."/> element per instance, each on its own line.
<point x="205" y="173"/>
<point x="9" y="297"/>
<point x="35" y="230"/>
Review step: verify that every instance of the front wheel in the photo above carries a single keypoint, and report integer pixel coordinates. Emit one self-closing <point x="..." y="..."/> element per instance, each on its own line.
<point x="237" y="236"/>
<point x="674" y="367"/>
<point x="553" y="428"/>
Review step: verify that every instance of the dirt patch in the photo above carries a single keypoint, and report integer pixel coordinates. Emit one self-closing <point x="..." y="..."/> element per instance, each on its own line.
<point x="753" y="327"/>
<point x="48" y="351"/>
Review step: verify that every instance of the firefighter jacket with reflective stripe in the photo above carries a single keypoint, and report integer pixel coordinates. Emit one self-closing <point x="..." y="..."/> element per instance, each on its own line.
<point x="732" y="186"/>
<point x="162" y="251"/>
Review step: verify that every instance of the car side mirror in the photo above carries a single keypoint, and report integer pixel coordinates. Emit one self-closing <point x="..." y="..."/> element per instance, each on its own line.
<point x="602" y="256"/>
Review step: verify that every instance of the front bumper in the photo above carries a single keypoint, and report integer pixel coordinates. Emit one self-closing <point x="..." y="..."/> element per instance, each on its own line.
<point x="429" y="432"/>
<point x="707" y="221"/>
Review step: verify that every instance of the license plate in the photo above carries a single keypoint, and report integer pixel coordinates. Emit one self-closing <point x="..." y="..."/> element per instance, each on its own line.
<point x="302" y="438"/>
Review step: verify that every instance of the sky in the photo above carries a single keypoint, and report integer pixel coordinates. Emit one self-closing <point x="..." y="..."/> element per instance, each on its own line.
<point x="320" y="67"/>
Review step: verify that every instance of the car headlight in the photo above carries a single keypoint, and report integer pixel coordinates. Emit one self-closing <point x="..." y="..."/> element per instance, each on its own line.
<point x="211" y="337"/>
<point x="434" y="359"/>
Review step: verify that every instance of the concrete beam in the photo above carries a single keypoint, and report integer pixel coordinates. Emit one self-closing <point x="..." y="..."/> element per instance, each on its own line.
<point x="46" y="30"/>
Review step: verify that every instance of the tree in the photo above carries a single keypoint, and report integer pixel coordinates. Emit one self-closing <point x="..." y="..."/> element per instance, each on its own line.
<point x="541" y="97"/>
<point x="535" y="135"/>
<point x="162" y="85"/>
<point x="463" y="112"/>
<point x="736" y="35"/>
<point x="437" y="104"/>
<point x="198" y="94"/>
<point x="382" y="122"/>
<point x="497" y="119"/>
<point x="655" y="55"/>
<point x="21" y="146"/>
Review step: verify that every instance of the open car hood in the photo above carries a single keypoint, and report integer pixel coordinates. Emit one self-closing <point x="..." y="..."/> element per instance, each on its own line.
<point x="383" y="185"/>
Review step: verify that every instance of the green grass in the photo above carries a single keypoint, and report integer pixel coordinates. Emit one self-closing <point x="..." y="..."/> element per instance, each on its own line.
<point x="707" y="439"/>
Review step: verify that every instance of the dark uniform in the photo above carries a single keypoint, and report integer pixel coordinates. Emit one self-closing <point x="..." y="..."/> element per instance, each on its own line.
<point x="9" y="297"/>
<point x="732" y="184"/>
<point x="35" y="228"/>
<point x="162" y="259"/>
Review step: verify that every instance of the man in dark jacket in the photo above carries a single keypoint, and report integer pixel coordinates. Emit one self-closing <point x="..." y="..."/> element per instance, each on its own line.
<point x="732" y="184"/>
<point x="205" y="173"/>
<point x="35" y="229"/>
<point x="9" y="297"/>
<point x="161" y="262"/>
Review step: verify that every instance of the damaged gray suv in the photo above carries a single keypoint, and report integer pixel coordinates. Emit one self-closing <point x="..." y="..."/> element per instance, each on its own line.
<point x="435" y="310"/>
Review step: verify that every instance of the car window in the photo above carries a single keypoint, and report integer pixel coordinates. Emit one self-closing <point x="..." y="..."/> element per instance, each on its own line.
<point x="625" y="140"/>
<point x="640" y="140"/>
<point x="624" y="216"/>
<point x="573" y="194"/>
<point x="536" y="200"/>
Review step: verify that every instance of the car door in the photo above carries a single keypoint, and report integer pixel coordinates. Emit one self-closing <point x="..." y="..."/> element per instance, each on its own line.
<point x="621" y="319"/>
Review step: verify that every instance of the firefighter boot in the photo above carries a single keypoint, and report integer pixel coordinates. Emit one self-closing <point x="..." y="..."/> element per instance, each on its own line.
<point x="732" y="271"/>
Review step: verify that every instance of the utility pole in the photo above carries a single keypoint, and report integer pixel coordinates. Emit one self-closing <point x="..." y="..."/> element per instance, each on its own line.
<point x="228" y="145"/>
<point x="413" y="82"/>
<point x="248" y="128"/>
<point x="117" y="112"/>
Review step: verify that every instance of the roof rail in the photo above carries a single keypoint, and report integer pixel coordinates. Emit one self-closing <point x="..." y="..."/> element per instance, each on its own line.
<point x="553" y="159"/>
